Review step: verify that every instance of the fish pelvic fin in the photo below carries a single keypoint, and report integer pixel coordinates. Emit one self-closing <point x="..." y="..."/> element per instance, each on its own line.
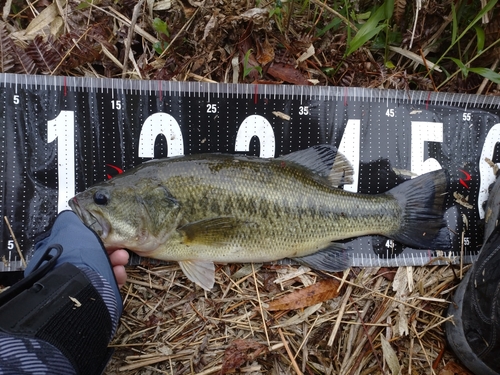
<point x="325" y="161"/>
<point x="333" y="258"/>
<point x="200" y="272"/>
<point x="423" y="225"/>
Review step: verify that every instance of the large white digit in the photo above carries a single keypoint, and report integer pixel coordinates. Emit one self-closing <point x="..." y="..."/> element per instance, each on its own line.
<point x="421" y="132"/>
<point x="256" y="126"/>
<point x="156" y="124"/>
<point x="487" y="177"/>
<point x="62" y="128"/>
<point x="350" y="147"/>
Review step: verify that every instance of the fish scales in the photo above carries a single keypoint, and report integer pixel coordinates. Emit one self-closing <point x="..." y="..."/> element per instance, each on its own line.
<point x="230" y="186"/>
<point x="201" y="209"/>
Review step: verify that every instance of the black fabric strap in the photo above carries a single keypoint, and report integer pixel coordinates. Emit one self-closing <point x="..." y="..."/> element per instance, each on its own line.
<point x="64" y="309"/>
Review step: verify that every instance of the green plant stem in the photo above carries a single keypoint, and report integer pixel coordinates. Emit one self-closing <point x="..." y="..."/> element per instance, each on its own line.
<point x="486" y="9"/>
<point x="333" y="11"/>
<point x="468" y="63"/>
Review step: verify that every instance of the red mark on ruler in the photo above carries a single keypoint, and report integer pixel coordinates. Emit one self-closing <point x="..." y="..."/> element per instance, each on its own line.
<point x="64" y="85"/>
<point x="467" y="178"/>
<point x="255" y="92"/>
<point x="160" y="90"/>
<point x="427" y="101"/>
<point x="118" y="170"/>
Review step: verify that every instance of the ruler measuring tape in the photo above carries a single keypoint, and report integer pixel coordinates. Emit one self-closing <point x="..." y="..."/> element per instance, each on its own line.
<point x="60" y="135"/>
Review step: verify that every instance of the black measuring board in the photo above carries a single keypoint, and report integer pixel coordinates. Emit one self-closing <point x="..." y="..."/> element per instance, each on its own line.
<point x="60" y="135"/>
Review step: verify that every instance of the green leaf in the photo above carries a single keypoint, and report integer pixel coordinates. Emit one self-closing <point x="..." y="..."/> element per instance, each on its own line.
<point x="454" y="24"/>
<point x="368" y="30"/>
<point x="159" y="47"/>
<point x="480" y="38"/>
<point x="389" y="64"/>
<point x="487" y="73"/>
<point x="160" y="26"/>
<point x="84" y="4"/>
<point x="388" y="8"/>
<point x="463" y="68"/>
<point x="478" y="17"/>
<point x="334" y="23"/>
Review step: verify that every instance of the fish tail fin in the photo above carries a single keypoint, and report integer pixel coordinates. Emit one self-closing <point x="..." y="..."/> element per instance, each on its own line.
<point x="422" y="199"/>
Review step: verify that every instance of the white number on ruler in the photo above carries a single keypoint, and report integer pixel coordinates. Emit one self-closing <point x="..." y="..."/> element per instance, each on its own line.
<point x="211" y="108"/>
<point x="16" y="99"/>
<point x="62" y="128"/>
<point x="390" y="112"/>
<point x="116" y="104"/>
<point x="303" y="110"/>
<point x="256" y="126"/>
<point x="467" y="116"/>
<point x="421" y="132"/>
<point x="10" y="244"/>
<point x="350" y="147"/>
<point x="156" y="124"/>
<point x="487" y="177"/>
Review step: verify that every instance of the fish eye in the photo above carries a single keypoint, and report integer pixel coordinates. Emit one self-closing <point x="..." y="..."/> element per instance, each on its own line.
<point x="101" y="197"/>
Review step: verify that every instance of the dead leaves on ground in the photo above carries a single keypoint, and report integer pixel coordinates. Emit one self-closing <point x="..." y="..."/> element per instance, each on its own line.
<point x="223" y="41"/>
<point x="322" y="291"/>
<point x="239" y="352"/>
<point x="383" y="320"/>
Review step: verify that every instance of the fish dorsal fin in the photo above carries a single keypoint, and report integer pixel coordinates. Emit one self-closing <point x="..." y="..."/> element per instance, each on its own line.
<point x="211" y="232"/>
<point x="324" y="160"/>
<point x="201" y="272"/>
<point x="333" y="258"/>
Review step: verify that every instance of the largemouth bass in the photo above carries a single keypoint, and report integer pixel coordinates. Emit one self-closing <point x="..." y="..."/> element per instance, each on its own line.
<point x="220" y="208"/>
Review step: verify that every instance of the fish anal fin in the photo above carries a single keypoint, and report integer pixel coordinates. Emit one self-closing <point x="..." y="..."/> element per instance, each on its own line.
<point x="210" y="232"/>
<point x="200" y="272"/>
<point x="333" y="258"/>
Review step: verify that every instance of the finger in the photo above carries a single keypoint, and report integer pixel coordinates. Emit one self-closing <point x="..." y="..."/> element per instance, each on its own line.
<point x="120" y="275"/>
<point x="119" y="257"/>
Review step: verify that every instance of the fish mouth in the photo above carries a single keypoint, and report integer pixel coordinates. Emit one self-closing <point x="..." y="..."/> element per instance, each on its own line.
<point x="97" y="224"/>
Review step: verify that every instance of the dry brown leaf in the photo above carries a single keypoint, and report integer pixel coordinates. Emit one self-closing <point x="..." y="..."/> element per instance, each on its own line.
<point x="287" y="73"/>
<point x="453" y="368"/>
<point x="265" y="51"/>
<point x="309" y="296"/>
<point x="239" y="352"/>
<point x="390" y="356"/>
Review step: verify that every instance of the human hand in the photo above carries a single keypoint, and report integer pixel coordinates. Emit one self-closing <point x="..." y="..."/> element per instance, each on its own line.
<point x="119" y="258"/>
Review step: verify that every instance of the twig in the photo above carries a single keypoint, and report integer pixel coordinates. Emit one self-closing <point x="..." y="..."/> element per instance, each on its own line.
<point x="75" y="44"/>
<point x="260" y="306"/>
<point x="341" y="314"/>
<point x="368" y="336"/>
<point x="15" y="241"/>
<point x="289" y="352"/>
<point x="337" y="14"/>
<point x="390" y="298"/>
<point x="128" y="42"/>
<point x="422" y="346"/>
<point x="186" y="25"/>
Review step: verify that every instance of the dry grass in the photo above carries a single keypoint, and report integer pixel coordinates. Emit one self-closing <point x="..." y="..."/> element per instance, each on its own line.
<point x="384" y="320"/>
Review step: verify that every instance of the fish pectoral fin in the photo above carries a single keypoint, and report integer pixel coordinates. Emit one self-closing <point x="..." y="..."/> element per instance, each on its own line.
<point x="332" y="258"/>
<point x="211" y="232"/>
<point x="200" y="272"/>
